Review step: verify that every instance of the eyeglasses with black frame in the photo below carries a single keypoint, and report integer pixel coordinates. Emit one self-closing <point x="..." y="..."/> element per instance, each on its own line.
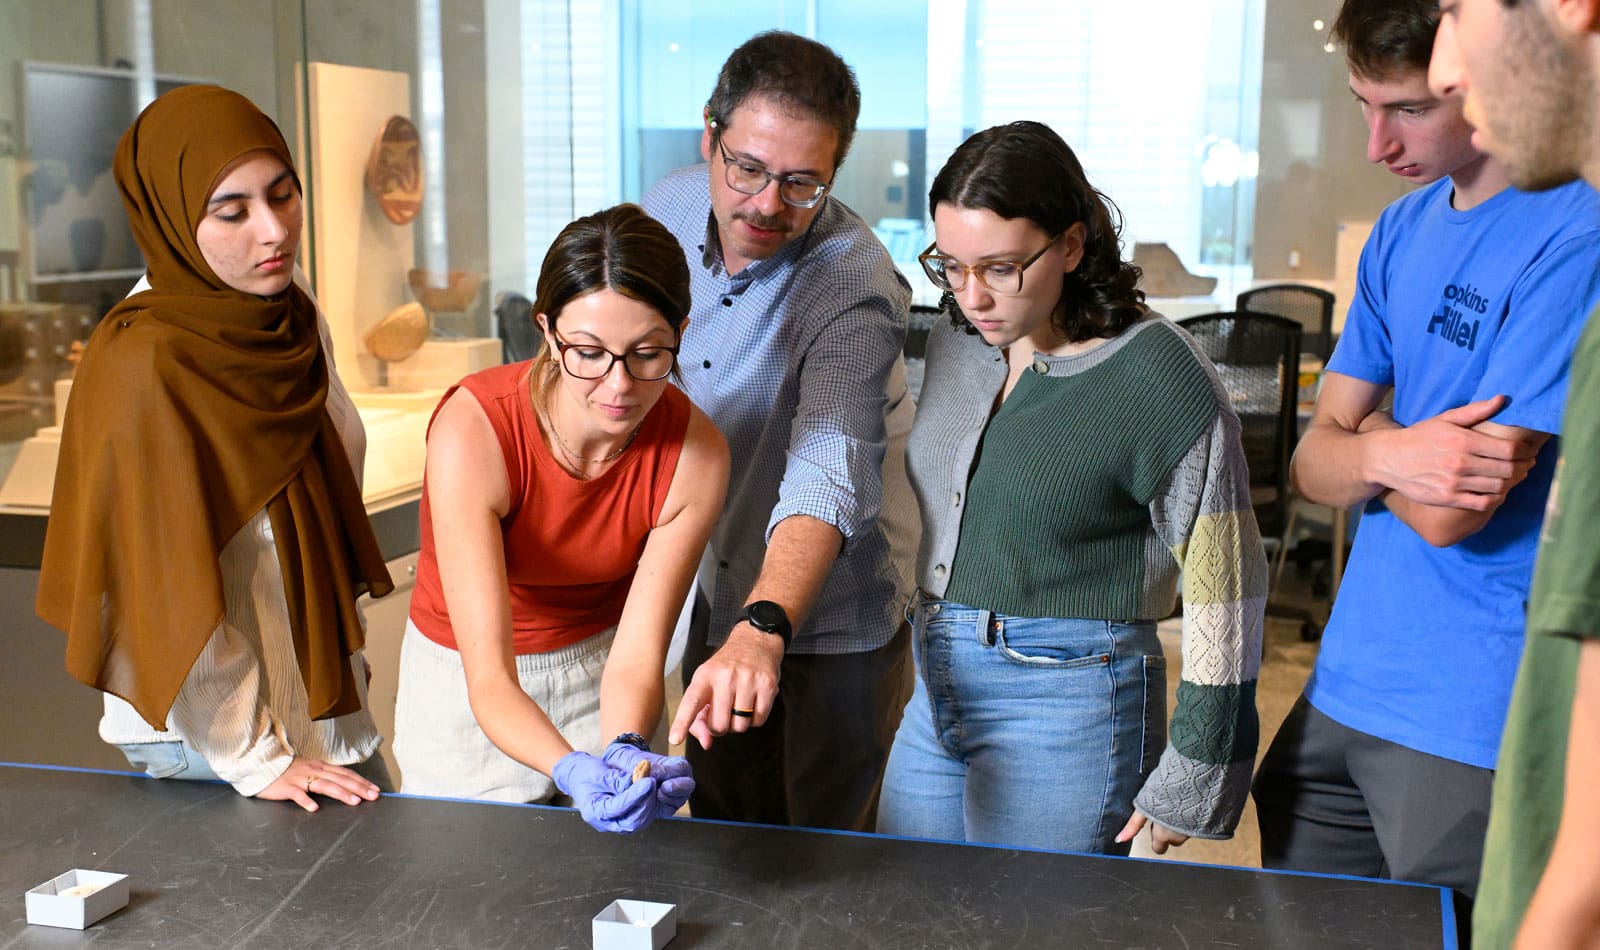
<point x="1000" y="277"/>
<point x="747" y="178"/>
<point x="587" y="361"/>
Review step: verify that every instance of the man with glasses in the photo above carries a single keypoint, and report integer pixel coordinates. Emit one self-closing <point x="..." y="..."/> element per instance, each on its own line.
<point x="1468" y="303"/>
<point x="797" y="667"/>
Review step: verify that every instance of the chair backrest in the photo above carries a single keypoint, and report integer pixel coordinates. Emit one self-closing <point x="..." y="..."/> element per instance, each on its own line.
<point x="519" y="340"/>
<point x="1311" y="307"/>
<point x="917" y="327"/>
<point x="1257" y="356"/>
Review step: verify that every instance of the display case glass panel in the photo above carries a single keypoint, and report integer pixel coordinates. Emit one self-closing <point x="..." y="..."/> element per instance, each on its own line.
<point x="531" y="112"/>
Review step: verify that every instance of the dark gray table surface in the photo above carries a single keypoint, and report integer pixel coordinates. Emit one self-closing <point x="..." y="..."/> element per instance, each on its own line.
<point x="211" y="870"/>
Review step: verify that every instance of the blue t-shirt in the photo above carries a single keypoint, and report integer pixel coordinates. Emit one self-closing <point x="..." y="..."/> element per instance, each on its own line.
<point x="1451" y="307"/>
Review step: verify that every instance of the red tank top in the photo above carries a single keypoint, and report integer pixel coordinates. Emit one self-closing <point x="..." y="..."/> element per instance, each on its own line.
<point x="571" y="546"/>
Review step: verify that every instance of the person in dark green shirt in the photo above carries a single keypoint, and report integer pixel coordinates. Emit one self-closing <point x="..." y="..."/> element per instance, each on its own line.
<point x="1528" y="72"/>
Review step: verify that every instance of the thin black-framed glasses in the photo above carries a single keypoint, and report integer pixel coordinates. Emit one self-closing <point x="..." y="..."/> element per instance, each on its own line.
<point x="587" y="361"/>
<point x="1000" y="277"/>
<point x="797" y="191"/>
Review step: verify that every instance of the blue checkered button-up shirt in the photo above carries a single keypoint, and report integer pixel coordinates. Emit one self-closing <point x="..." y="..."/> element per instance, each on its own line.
<point x="797" y="359"/>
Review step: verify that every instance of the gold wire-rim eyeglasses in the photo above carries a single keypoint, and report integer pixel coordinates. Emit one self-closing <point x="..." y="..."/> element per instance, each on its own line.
<point x="939" y="267"/>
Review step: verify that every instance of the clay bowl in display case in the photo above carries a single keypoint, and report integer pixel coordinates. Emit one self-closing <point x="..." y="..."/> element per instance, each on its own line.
<point x="447" y="291"/>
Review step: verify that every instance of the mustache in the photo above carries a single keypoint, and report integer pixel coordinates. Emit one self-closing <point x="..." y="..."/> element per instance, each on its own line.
<point x="759" y="220"/>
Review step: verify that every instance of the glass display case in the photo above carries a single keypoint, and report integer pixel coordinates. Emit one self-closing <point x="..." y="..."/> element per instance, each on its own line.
<point x="443" y="143"/>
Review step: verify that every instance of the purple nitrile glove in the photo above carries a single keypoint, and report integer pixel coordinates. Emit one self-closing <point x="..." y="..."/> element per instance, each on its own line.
<point x="607" y="797"/>
<point x="675" y="781"/>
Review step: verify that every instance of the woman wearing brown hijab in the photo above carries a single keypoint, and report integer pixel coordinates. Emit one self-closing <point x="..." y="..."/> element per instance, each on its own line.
<point x="207" y="540"/>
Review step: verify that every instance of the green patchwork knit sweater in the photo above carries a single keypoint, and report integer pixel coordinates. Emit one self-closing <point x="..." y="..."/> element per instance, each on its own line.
<point x="1101" y="480"/>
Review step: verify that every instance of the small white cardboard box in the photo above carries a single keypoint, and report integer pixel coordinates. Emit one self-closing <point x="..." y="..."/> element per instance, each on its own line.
<point x="635" y="925"/>
<point x="49" y="905"/>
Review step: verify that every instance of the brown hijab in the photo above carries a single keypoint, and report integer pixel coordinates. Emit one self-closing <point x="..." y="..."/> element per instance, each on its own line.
<point x="195" y="407"/>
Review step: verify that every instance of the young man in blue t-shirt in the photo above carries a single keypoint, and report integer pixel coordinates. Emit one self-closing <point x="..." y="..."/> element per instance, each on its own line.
<point x="1468" y="304"/>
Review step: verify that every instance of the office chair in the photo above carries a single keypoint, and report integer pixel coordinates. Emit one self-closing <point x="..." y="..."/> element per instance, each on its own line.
<point x="1257" y="356"/>
<point x="917" y="328"/>
<point x="519" y="339"/>
<point x="1311" y="307"/>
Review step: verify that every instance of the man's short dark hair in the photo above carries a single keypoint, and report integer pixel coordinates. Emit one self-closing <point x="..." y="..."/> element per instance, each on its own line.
<point x="1382" y="38"/>
<point x="797" y="74"/>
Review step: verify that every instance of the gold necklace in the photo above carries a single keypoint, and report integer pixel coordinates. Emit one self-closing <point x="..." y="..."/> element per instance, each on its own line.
<point x="583" y="458"/>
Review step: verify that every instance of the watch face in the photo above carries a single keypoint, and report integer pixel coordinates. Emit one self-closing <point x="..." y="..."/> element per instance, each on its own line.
<point x="766" y="615"/>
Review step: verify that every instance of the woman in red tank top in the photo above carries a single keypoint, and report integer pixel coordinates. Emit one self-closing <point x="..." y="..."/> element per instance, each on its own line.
<point x="566" y="503"/>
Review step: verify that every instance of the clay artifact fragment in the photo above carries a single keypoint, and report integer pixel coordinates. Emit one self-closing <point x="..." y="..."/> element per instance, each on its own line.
<point x="398" y="335"/>
<point x="641" y="769"/>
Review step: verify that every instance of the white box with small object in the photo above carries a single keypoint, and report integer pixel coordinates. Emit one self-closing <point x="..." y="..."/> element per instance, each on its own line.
<point x="77" y="898"/>
<point x="635" y="925"/>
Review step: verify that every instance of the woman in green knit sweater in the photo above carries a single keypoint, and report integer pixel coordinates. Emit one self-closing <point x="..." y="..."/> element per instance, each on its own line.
<point x="1073" y="456"/>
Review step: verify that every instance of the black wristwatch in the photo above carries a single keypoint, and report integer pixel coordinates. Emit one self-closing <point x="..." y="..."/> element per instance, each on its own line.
<point x="768" y="617"/>
<point x="634" y="739"/>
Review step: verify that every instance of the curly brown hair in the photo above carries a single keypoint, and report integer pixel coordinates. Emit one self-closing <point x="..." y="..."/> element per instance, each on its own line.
<point x="1025" y="170"/>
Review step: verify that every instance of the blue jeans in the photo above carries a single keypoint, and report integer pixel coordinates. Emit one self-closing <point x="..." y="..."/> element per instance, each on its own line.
<point x="177" y="760"/>
<point x="1024" y="731"/>
<point x="172" y="759"/>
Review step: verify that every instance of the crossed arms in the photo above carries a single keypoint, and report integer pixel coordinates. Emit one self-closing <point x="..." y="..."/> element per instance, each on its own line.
<point x="1444" y="476"/>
